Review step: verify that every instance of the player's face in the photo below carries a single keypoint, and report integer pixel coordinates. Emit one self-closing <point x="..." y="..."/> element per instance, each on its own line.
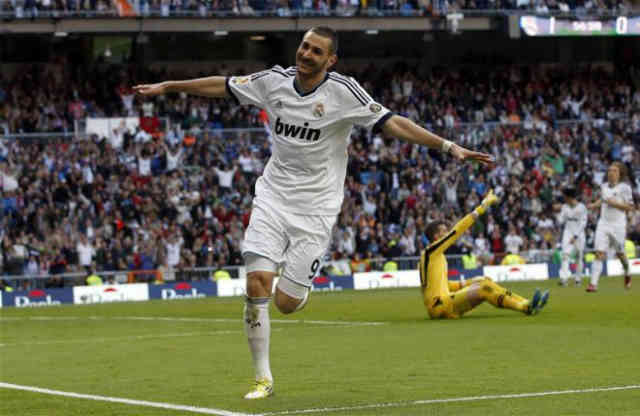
<point x="442" y="231"/>
<point x="313" y="55"/>
<point x="613" y="174"/>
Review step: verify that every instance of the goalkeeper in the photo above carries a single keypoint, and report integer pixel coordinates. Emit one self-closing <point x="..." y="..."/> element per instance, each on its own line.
<point x="444" y="299"/>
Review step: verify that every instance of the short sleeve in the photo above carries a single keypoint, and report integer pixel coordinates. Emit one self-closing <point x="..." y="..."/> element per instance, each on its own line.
<point x="372" y="116"/>
<point x="627" y="195"/>
<point x="564" y="214"/>
<point x="249" y="89"/>
<point x="360" y="108"/>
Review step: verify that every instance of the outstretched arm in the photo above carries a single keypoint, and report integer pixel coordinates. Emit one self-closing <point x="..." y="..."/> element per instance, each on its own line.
<point x="595" y="205"/>
<point x="405" y="129"/>
<point x="214" y="86"/>
<point x="620" y="204"/>
<point x="463" y="225"/>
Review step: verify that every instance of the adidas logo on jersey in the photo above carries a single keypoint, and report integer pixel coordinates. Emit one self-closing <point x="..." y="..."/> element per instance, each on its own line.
<point x="297" y="132"/>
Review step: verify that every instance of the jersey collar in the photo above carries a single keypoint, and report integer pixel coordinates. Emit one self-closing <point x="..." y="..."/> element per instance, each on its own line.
<point x="304" y="94"/>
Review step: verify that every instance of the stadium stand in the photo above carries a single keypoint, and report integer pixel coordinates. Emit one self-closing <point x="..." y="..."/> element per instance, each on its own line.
<point x="182" y="200"/>
<point x="285" y="8"/>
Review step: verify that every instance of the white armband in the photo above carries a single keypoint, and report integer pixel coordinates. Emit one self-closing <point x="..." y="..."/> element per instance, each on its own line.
<point x="446" y="146"/>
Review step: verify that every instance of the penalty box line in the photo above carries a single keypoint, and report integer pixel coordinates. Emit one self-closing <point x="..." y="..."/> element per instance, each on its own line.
<point x="160" y="405"/>
<point x="450" y="400"/>
<point x="221" y="412"/>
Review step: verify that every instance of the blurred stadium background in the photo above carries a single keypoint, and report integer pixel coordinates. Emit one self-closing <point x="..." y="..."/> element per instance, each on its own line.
<point x="98" y="182"/>
<point x="554" y="108"/>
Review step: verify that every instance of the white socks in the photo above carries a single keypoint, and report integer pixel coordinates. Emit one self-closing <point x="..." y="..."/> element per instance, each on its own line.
<point x="596" y="270"/>
<point x="579" y="267"/>
<point x="565" y="272"/>
<point x="625" y="264"/>
<point x="258" y="329"/>
<point x="564" y="269"/>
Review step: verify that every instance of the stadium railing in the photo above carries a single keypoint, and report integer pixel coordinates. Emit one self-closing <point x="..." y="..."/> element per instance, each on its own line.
<point x="458" y="128"/>
<point x="40" y="137"/>
<point x="118" y="276"/>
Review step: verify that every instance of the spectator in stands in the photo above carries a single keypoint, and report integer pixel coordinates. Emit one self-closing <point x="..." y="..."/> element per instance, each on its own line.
<point x="225" y="176"/>
<point x="95" y="181"/>
<point x="173" y="246"/>
<point x="513" y="242"/>
<point x="85" y="252"/>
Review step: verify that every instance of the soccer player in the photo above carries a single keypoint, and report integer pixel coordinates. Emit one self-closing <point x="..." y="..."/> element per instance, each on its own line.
<point x="615" y="201"/>
<point x="311" y="114"/>
<point x="444" y="299"/>
<point x="573" y="215"/>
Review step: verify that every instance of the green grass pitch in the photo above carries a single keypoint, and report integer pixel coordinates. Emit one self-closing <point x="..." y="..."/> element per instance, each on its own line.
<point x="580" y="341"/>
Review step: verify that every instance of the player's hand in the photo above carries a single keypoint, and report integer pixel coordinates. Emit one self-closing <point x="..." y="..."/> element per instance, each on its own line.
<point x="151" y="89"/>
<point x="462" y="153"/>
<point x="490" y="199"/>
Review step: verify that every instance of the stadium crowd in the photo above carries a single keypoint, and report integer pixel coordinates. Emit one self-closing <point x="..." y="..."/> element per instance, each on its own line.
<point x="88" y="8"/>
<point x="139" y="199"/>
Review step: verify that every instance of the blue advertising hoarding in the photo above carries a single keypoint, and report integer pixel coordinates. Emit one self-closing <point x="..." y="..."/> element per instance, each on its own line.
<point x="183" y="290"/>
<point x="332" y="283"/>
<point x="37" y="297"/>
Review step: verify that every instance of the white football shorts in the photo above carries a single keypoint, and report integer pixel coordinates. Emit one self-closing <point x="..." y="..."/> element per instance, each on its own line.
<point x="610" y="237"/>
<point x="294" y="241"/>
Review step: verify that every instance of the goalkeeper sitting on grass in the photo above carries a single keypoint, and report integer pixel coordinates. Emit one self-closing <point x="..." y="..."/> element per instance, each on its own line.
<point x="444" y="299"/>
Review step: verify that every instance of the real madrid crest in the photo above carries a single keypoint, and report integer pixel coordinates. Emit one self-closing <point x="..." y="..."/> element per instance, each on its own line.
<point x="318" y="110"/>
<point x="375" y="107"/>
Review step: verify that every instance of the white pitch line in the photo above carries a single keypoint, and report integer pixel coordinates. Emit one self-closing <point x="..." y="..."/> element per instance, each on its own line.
<point x="135" y="337"/>
<point x="278" y="321"/>
<point x="132" y="337"/>
<point x="179" y="319"/>
<point x="451" y="400"/>
<point x="192" y="409"/>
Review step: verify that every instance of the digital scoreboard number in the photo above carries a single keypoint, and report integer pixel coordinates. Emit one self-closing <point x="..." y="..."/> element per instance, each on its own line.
<point x="556" y="26"/>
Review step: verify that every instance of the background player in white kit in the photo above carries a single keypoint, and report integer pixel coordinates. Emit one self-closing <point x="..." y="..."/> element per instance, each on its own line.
<point x="615" y="201"/>
<point x="311" y="114"/>
<point x="573" y="215"/>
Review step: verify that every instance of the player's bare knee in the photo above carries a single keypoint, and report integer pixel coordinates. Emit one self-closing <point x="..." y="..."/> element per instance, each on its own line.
<point x="285" y="308"/>
<point x="259" y="284"/>
<point x="285" y="303"/>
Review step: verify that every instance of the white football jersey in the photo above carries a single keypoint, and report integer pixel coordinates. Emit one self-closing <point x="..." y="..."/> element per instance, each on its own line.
<point x="611" y="215"/>
<point x="574" y="219"/>
<point x="310" y="132"/>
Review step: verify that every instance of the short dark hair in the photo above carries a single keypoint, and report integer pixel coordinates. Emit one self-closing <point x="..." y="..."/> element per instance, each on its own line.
<point x="570" y="192"/>
<point x="432" y="229"/>
<point x="327" y="32"/>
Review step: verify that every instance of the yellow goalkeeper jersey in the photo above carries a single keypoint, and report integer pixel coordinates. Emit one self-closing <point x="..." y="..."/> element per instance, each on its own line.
<point x="433" y="264"/>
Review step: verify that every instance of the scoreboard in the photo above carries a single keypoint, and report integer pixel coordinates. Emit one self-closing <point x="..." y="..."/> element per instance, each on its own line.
<point x="561" y="26"/>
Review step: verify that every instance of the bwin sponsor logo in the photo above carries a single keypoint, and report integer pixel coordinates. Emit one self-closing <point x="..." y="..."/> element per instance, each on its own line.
<point x="297" y="132"/>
